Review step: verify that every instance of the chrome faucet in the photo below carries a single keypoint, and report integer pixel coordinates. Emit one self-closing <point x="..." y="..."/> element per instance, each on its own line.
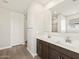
<point x="49" y="36"/>
<point x="68" y="40"/>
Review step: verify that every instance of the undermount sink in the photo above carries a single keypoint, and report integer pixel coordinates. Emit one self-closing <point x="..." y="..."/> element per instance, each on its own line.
<point x="65" y="41"/>
<point x="58" y="39"/>
<point x="74" y="43"/>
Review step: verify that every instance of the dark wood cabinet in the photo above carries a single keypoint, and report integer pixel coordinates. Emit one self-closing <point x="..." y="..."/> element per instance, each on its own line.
<point x="65" y="57"/>
<point x="44" y="52"/>
<point x="39" y="48"/>
<point x="42" y="49"/>
<point x="50" y="51"/>
<point x="53" y="54"/>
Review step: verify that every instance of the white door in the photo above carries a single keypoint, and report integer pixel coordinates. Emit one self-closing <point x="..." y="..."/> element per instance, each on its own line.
<point x="17" y="29"/>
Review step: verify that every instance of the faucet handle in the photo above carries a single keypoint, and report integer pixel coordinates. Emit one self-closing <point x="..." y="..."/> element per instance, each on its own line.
<point x="49" y="36"/>
<point x="68" y="40"/>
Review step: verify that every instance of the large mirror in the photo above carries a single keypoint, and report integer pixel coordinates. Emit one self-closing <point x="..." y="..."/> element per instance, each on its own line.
<point x="65" y="16"/>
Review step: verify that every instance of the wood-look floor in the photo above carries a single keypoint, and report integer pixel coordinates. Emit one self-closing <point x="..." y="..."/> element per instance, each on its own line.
<point x="17" y="52"/>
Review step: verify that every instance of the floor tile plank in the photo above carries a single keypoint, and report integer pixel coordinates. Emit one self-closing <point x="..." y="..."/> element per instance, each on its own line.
<point x="16" y="52"/>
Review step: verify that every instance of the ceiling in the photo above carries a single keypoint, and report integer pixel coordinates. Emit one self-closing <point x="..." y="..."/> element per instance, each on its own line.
<point x="21" y="5"/>
<point x="16" y="5"/>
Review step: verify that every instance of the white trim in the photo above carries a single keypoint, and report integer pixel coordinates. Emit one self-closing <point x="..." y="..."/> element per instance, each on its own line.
<point x="17" y="44"/>
<point x="5" y="47"/>
<point x="33" y="55"/>
<point x="23" y="43"/>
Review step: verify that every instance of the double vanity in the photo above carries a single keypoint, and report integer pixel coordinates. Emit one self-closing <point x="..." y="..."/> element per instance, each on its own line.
<point x="54" y="48"/>
<point x="63" y="43"/>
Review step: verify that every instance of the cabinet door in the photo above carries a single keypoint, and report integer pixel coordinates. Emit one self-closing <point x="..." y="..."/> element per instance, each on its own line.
<point x="53" y="54"/>
<point x="39" y="48"/>
<point x="65" y="57"/>
<point x="42" y="49"/>
<point x="44" y="52"/>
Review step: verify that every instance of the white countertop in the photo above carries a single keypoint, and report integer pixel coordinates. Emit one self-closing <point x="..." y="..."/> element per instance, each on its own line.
<point x="63" y="45"/>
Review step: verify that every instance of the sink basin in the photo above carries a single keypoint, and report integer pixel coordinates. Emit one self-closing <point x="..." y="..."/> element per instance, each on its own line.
<point x="62" y="40"/>
<point x="74" y="43"/>
<point x="58" y="39"/>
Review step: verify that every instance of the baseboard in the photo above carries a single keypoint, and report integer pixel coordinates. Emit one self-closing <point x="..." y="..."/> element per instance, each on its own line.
<point x="5" y="47"/>
<point x="17" y="44"/>
<point x="23" y="43"/>
<point x="33" y="55"/>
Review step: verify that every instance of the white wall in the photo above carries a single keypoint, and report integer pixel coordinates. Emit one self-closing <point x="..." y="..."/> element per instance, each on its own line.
<point x="39" y="20"/>
<point x="4" y="28"/>
<point x="25" y="27"/>
<point x="11" y="28"/>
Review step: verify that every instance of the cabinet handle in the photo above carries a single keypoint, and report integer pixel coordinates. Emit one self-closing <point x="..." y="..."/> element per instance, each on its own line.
<point x="59" y="57"/>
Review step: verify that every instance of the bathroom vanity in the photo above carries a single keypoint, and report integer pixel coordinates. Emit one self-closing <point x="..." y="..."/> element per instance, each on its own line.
<point x="65" y="23"/>
<point x="48" y="50"/>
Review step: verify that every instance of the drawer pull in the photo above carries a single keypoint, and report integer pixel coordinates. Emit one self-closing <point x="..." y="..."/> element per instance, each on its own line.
<point x="59" y="57"/>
